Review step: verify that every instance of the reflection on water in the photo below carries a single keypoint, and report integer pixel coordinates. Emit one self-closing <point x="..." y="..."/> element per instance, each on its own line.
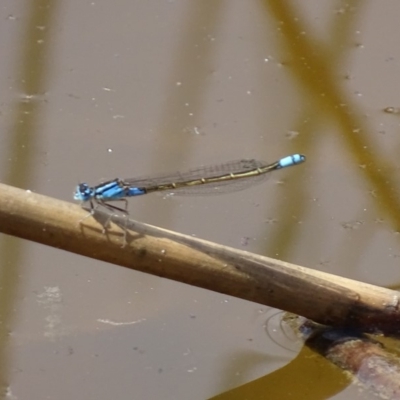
<point x="280" y="327"/>
<point x="194" y="83"/>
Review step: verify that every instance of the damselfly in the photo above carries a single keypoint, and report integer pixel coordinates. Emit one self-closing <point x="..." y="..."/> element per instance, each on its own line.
<point x="213" y="179"/>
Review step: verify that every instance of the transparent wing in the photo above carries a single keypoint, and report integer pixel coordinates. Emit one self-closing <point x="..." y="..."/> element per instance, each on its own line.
<point x="206" y="172"/>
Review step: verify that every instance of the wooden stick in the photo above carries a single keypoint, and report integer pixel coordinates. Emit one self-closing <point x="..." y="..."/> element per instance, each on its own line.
<point x="322" y="297"/>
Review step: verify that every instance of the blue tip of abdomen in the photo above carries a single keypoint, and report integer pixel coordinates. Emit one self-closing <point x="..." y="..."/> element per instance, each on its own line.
<point x="288" y="161"/>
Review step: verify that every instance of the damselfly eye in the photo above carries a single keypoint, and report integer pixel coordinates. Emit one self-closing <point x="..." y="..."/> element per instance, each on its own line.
<point x="83" y="192"/>
<point x="83" y="187"/>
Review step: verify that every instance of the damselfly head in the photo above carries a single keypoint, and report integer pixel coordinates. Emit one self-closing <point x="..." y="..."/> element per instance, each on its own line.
<point x="83" y="192"/>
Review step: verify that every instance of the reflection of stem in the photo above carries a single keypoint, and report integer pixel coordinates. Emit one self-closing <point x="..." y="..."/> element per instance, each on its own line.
<point x="286" y="231"/>
<point x="32" y="74"/>
<point x="314" y="71"/>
